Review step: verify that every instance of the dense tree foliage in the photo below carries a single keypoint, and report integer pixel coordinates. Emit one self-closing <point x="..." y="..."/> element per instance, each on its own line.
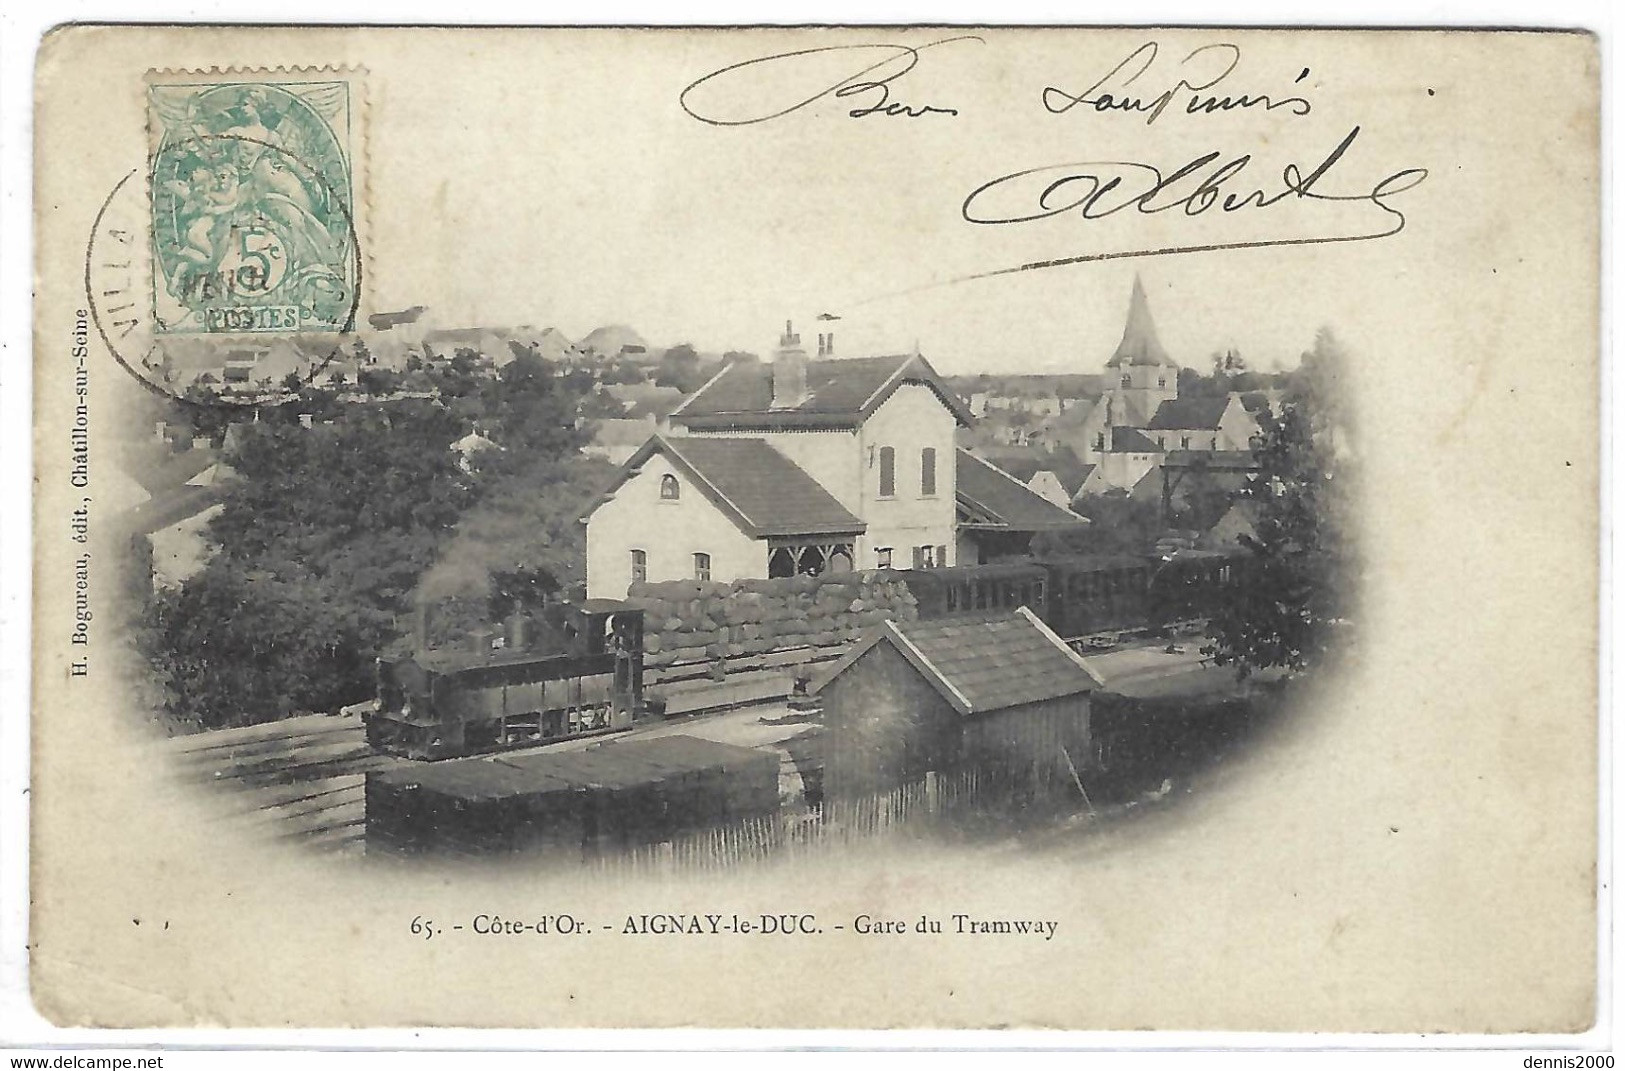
<point x="1303" y="565"/>
<point x="333" y="535"/>
<point x="681" y="367"/>
<point x="1118" y="524"/>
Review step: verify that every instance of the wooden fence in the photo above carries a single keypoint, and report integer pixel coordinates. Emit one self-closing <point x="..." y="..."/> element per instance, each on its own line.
<point x="782" y="835"/>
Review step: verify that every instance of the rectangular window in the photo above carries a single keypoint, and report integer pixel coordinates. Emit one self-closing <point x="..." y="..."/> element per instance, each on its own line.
<point x="640" y="565"/>
<point x="702" y="567"/>
<point x="925" y="557"/>
<point x="1184" y="442"/>
<point x="883" y="557"/>
<point x="888" y="472"/>
<point x="928" y="471"/>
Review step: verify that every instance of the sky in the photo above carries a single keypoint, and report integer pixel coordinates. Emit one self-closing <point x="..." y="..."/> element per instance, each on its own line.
<point x="579" y="192"/>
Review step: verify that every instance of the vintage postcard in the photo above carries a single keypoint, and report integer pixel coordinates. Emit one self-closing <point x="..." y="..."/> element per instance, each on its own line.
<point x="850" y="527"/>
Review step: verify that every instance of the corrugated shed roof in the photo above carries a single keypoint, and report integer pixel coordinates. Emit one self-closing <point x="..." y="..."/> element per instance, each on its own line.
<point x="984" y="665"/>
<point x="999" y="499"/>
<point x="764" y="492"/>
<point x="1140" y="345"/>
<point x="618" y="764"/>
<point x="1178" y="413"/>
<point x="840" y="392"/>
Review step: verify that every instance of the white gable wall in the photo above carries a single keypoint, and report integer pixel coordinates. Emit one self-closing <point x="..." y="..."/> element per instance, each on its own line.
<point x="668" y="532"/>
<point x="912" y="419"/>
<point x="1124" y="469"/>
<point x="1237" y="426"/>
<point x="1048" y="485"/>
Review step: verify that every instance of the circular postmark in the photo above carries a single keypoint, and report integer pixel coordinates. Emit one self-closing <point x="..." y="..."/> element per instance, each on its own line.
<point x="241" y="246"/>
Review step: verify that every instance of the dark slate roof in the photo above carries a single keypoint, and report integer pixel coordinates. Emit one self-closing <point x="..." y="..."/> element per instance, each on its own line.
<point x="1140" y="345"/>
<point x="840" y="393"/>
<point x="995" y="499"/>
<point x="1022" y="468"/>
<point x="1177" y="413"/>
<point x="160" y="470"/>
<point x="608" y="765"/>
<point x="1132" y="441"/>
<point x="761" y="490"/>
<point x="985" y="665"/>
<point x="171" y="508"/>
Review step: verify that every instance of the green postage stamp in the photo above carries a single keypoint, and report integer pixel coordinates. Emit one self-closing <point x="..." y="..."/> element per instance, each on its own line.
<point x="253" y="188"/>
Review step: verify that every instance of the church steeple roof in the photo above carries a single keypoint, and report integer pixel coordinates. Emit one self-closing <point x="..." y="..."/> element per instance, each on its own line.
<point x="1140" y="345"/>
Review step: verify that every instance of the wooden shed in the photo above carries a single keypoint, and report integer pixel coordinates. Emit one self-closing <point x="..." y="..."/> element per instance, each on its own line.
<point x="1000" y="705"/>
<point x="571" y="804"/>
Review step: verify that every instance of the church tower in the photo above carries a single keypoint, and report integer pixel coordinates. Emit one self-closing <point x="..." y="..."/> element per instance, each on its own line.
<point x="1140" y="375"/>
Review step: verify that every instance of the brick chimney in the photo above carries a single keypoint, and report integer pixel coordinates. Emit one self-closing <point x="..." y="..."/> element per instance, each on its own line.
<point x="789" y="370"/>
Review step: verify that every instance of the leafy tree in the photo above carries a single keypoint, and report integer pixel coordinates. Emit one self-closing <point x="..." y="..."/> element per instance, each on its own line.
<point x="1302" y="564"/>
<point x="320" y="546"/>
<point x="1228" y="363"/>
<point x="602" y="405"/>
<point x="680" y="367"/>
<point x="624" y="372"/>
<point x="334" y="535"/>
<point x="377" y="381"/>
<point x="236" y="648"/>
<point x="1193" y="384"/>
<point x="1118" y="524"/>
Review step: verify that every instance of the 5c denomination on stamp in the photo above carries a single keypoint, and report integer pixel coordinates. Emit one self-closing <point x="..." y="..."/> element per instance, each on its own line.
<point x="252" y="202"/>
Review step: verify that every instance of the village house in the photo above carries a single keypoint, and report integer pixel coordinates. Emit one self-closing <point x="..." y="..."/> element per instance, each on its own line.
<point x="1220" y="422"/>
<point x="801" y="466"/>
<point x="1001" y="704"/>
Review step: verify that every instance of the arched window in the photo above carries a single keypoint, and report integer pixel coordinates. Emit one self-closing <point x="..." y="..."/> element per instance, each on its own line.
<point x="668" y="488"/>
<point x="702" y="567"/>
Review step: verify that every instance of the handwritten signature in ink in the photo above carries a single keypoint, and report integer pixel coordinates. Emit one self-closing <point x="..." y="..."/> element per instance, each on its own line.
<point x="1097" y="190"/>
<point x="869" y="89"/>
<point x="1200" y="71"/>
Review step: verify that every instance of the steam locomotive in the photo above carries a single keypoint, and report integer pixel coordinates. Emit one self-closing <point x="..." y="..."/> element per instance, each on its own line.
<point x="574" y="670"/>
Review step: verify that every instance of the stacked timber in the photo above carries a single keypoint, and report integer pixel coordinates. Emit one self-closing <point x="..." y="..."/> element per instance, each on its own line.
<point x="689" y="621"/>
